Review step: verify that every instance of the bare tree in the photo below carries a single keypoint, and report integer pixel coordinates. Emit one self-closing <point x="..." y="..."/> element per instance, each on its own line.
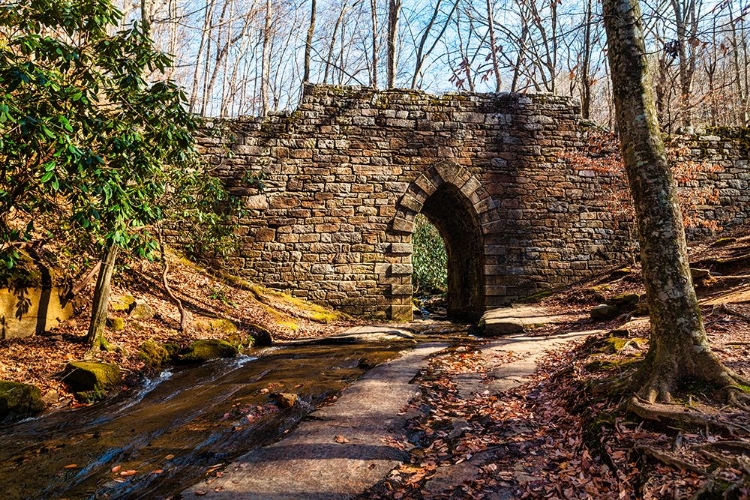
<point x="678" y="347"/>
<point x="394" y="10"/>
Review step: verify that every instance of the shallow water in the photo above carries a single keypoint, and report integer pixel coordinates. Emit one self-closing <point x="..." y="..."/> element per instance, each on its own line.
<point x="176" y="428"/>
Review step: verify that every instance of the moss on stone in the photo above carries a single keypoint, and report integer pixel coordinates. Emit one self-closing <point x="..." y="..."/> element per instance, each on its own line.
<point x="206" y="349"/>
<point x="116" y="324"/>
<point x="153" y="354"/>
<point x="89" y="380"/>
<point x="18" y="400"/>
<point x="217" y="325"/>
<point x="122" y="303"/>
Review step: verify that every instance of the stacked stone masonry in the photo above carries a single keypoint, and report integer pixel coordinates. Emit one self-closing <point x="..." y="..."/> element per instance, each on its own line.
<point x="346" y="173"/>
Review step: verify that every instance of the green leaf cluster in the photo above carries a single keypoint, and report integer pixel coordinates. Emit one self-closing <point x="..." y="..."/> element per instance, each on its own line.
<point x="429" y="259"/>
<point x="89" y="134"/>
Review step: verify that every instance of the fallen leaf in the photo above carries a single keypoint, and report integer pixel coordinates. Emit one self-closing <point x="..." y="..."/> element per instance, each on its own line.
<point x="340" y="439"/>
<point x="130" y="472"/>
<point x="70" y="466"/>
<point x="169" y="457"/>
<point x="116" y="468"/>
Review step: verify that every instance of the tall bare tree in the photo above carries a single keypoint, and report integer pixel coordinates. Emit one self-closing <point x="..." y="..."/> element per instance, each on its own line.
<point x="678" y="347"/>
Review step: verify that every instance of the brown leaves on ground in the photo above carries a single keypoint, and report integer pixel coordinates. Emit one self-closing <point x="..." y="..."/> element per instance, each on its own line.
<point x="38" y="360"/>
<point x="567" y="434"/>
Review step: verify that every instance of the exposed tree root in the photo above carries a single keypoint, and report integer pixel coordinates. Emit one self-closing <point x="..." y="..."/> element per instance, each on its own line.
<point x="660" y="412"/>
<point x="725" y="308"/>
<point x="669" y="459"/>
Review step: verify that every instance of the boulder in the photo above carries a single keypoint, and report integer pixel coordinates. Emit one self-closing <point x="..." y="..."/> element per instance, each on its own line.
<point x="89" y="380"/>
<point x="604" y="312"/>
<point x="499" y="328"/>
<point x="203" y="350"/>
<point x="19" y="400"/>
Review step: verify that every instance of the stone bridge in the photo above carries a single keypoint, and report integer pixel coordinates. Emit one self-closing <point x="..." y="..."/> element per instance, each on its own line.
<point x="347" y="172"/>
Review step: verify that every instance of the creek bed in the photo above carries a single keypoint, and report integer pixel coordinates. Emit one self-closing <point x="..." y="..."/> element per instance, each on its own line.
<point x="170" y="433"/>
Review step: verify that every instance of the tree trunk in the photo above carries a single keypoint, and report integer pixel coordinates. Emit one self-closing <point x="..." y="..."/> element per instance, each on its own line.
<point x="309" y="41"/>
<point x="493" y="46"/>
<point x="265" y="70"/>
<point x="394" y="8"/>
<point x="184" y="318"/>
<point x="678" y="348"/>
<point x="586" y="63"/>
<point x="95" y="338"/>
<point x="374" y="24"/>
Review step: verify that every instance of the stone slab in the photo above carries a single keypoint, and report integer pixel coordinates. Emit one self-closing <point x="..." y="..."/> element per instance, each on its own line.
<point x="337" y="453"/>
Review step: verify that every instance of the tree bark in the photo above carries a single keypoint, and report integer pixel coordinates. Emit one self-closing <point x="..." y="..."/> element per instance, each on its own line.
<point x="678" y="348"/>
<point x="265" y="70"/>
<point x="493" y="46"/>
<point x="309" y="41"/>
<point x="374" y="27"/>
<point x="394" y="9"/>
<point x="95" y="338"/>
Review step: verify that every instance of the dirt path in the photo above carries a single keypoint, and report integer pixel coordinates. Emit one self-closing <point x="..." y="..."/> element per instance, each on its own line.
<point x="341" y="450"/>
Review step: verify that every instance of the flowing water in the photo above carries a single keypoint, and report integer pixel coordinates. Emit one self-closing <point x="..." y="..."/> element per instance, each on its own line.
<point x="168" y="434"/>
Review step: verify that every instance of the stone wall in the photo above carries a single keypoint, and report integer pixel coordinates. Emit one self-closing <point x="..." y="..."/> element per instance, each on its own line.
<point x="347" y="172"/>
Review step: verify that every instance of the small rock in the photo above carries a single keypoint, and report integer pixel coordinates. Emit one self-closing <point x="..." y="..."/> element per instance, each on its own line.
<point x="116" y="324"/>
<point x="604" y="312"/>
<point x="699" y="274"/>
<point x="123" y="303"/>
<point x="621" y="333"/>
<point x="285" y="399"/>
<point x="141" y="310"/>
<point x="624" y="300"/>
<point x="51" y="397"/>
<point x="497" y="328"/>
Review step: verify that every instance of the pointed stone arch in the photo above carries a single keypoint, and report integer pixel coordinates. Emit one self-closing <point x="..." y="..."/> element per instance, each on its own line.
<point x="456" y="203"/>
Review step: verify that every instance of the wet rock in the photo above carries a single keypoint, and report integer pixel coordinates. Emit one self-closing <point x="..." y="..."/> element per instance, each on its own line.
<point x="206" y="349"/>
<point x="116" y="324"/>
<point x="261" y="336"/>
<point x="19" y="400"/>
<point x="89" y="380"/>
<point x="604" y="312"/>
<point x="141" y="310"/>
<point x="285" y="399"/>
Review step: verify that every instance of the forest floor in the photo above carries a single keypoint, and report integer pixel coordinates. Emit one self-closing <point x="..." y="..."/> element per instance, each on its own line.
<point x="565" y="433"/>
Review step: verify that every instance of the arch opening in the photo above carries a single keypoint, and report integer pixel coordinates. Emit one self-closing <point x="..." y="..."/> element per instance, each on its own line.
<point x="455" y="218"/>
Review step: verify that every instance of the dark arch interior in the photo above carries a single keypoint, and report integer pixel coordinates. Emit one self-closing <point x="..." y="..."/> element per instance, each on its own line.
<point x="452" y="214"/>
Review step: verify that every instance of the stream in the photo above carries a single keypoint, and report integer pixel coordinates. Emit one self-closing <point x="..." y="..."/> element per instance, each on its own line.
<point x="155" y="440"/>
